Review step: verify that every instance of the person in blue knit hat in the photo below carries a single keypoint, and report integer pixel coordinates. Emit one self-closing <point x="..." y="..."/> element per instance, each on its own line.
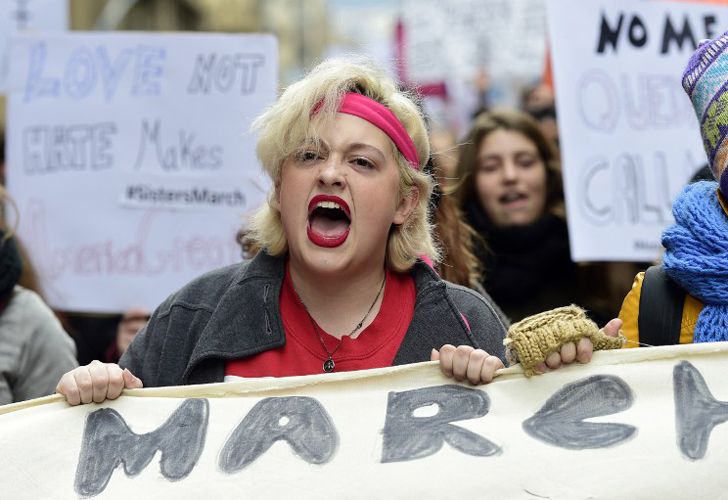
<point x="687" y="296"/>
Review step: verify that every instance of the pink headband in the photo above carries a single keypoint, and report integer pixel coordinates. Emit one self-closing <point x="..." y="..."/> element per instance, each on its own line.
<point x="381" y="117"/>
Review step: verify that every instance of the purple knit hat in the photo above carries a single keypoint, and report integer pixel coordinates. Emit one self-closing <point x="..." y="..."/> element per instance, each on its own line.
<point x="706" y="82"/>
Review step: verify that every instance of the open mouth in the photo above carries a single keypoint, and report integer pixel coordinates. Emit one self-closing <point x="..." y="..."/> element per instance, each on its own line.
<point x="512" y="198"/>
<point x="329" y="220"/>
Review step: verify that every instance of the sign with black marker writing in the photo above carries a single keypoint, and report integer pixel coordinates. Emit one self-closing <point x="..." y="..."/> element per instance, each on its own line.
<point x="629" y="136"/>
<point x="634" y="423"/>
<point x="131" y="159"/>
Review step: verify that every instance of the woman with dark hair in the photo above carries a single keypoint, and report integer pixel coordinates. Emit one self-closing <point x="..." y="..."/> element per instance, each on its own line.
<point x="511" y="192"/>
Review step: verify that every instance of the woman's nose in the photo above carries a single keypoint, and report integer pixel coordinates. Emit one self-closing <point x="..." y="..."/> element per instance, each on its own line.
<point x="510" y="172"/>
<point x="331" y="172"/>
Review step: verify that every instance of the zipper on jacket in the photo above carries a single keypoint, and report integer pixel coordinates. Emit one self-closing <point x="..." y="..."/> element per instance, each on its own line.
<point x="266" y="289"/>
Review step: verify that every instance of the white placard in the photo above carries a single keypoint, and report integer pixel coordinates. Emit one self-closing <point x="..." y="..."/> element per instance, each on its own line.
<point x="636" y="423"/>
<point x="28" y="15"/>
<point x="506" y="37"/>
<point x="629" y="137"/>
<point x="456" y="43"/>
<point x="131" y="159"/>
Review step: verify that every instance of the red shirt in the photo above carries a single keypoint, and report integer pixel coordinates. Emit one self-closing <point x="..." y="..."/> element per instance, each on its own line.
<point x="375" y="346"/>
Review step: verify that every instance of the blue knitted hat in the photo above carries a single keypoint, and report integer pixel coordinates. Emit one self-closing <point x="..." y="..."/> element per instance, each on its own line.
<point x="706" y="82"/>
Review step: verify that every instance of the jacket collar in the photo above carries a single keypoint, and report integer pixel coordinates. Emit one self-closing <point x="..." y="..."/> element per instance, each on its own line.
<point x="246" y="318"/>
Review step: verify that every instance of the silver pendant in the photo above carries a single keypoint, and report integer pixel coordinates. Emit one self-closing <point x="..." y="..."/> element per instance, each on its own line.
<point x="329" y="365"/>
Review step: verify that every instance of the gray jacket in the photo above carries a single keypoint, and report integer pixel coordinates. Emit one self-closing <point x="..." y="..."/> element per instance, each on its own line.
<point x="34" y="349"/>
<point x="233" y="312"/>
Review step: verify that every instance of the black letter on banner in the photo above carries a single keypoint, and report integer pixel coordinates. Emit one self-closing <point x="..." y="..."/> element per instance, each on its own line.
<point x="108" y="441"/>
<point x="408" y="437"/>
<point x="609" y="35"/>
<point x="709" y="21"/>
<point x="697" y="412"/>
<point x="300" y="421"/>
<point x="561" y="419"/>
<point x="637" y="32"/>
<point x="670" y="35"/>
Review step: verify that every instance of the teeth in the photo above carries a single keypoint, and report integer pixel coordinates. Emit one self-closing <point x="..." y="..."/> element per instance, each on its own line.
<point x="328" y="204"/>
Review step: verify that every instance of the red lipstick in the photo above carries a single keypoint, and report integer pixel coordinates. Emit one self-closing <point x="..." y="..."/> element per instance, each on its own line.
<point x="316" y="237"/>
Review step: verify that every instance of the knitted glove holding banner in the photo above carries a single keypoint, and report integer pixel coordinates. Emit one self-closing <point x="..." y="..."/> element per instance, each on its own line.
<point x="532" y="339"/>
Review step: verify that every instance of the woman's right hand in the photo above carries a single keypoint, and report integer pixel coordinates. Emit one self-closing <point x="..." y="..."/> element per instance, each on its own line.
<point x="96" y="382"/>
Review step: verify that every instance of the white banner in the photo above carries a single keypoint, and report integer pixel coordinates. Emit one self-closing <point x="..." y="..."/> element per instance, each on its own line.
<point x="131" y="159"/>
<point x="637" y="423"/>
<point x="629" y="136"/>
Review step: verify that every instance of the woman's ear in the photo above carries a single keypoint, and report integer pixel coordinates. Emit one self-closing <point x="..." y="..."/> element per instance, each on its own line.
<point x="275" y="199"/>
<point x="406" y="205"/>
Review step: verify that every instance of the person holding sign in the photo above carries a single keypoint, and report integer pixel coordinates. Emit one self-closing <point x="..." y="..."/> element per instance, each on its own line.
<point x="685" y="299"/>
<point x="342" y="282"/>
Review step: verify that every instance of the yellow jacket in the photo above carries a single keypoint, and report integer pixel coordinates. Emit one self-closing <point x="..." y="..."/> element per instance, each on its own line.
<point x="630" y="311"/>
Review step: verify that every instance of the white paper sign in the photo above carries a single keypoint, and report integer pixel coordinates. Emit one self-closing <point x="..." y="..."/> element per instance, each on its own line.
<point x="28" y="15"/>
<point x="131" y="160"/>
<point x="637" y="423"/>
<point x="629" y="137"/>
<point x="455" y="43"/>
<point x="506" y="37"/>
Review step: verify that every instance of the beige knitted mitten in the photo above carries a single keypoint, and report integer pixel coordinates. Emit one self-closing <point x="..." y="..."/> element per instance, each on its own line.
<point x="532" y="339"/>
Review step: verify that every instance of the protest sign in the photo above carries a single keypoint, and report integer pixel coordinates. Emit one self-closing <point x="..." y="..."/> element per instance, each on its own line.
<point x="28" y="15"/>
<point x="506" y="37"/>
<point x="634" y="423"/>
<point x="131" y="159"/>
<point x="629" y="137"/>
<point x="448" y="47"/>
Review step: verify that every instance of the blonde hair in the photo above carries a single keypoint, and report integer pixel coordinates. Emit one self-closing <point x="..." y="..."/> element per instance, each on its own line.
<point x="286" y="125"/>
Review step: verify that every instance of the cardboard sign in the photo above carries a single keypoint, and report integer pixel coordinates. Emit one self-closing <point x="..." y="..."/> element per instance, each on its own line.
<point x="629" y="137"/>
<point x="131" y="159"/>
<point x="645" y="423"/>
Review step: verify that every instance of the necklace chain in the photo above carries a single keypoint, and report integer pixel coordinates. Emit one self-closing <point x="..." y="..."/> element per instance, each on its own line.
<point x="329" y="364"/>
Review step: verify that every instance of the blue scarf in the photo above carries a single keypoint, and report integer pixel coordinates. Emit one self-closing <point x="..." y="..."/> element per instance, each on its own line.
<point x="696" y="256"/>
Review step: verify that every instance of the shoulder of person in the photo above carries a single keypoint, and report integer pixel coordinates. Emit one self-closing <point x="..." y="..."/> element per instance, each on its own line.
<point x="471" y="304"/>
<point x="205" y="291"/>
<point x="28" y="306"/>
<point x="468" y="301"/>
<point x="35" y="318"/>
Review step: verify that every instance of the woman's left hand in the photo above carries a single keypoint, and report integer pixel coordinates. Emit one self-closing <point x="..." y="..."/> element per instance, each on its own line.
<point x="465" y="362"/>
<point x="580" y="352"/>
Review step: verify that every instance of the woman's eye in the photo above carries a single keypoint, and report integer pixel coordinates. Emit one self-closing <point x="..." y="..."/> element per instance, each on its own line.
<point x="527" y="161"/>
<point x="307" y="156"/>
<point x="363" y="162"/>
<point x="488" y="167"/>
